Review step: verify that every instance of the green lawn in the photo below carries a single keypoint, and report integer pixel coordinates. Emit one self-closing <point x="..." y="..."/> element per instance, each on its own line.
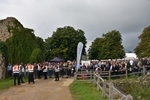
<point x="85" y="91"/>
<point x="7" y="83"/>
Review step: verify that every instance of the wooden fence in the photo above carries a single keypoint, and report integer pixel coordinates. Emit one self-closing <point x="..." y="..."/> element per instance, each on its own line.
<point x="126" y="73"/>
<point x="121" y="73"/>
<point x="108" y="89"/>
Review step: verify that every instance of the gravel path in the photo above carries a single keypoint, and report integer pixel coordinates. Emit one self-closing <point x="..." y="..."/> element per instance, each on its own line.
<point x="42" y="90"/>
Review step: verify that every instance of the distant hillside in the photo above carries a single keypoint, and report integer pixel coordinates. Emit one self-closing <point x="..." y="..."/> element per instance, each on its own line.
<point x="6" y="26"/>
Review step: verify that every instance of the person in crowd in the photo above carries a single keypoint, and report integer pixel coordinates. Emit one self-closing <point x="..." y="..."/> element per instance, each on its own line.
<point x="35" y="70"/>
<point x="16" y="74"/>
<point x="52" y="67"/>
<point x="56" y="72"/>
<point x="73" y="71"/>
<point x="139" y="64"/>
<point x="21" y="72"/>
<point x="30" y="73"/>
<point x="26" y="70"/>
<point x="144" y="63"/>
<point x="97" y="70"/>
<point x="69" y="69"/>
<point x="65" y="66"/>
<point x="121" y="69"/>
<point x="9" y="70"/>
<point x="45" y="69"/>
<point x="102" y="68"/>
<point x="61" y="70"/>
<point x="129" y="67"/>
<point x="135" y="67"/>
<point x="107" y="67"/>
<point x="115" y="69"/>
<point x="39" y="70"/>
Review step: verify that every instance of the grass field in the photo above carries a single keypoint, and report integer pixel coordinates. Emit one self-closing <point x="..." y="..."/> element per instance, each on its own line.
<point x="85" y="91"/>
<point x="7" y="83"/>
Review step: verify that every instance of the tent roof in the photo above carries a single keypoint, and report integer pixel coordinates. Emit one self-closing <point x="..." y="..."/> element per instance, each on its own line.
<point x="56" y="59"/>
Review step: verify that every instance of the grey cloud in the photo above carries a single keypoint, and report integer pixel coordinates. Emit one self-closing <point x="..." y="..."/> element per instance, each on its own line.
<point x="96" y="17"/>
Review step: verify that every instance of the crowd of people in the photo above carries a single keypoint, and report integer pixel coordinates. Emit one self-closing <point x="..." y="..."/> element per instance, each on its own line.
<point x="47" y="70"/>
<point x="43" y="70"/>
<point x="120" y="66"/>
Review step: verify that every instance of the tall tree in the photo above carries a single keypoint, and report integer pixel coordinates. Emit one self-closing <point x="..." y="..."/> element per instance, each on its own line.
<point x="63" y="43"/>
<point x="42" y="47"/>
<point x="108" y="47"/>
<point x="95" y="48"/>
<point x="36" y="56"/>
<point x="21" y="45"/>
<point x="142" y="50"/>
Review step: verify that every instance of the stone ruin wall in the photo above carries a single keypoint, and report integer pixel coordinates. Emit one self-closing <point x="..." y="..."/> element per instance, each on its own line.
<point x="2" y="67"/>
<point x="4" y="35"/>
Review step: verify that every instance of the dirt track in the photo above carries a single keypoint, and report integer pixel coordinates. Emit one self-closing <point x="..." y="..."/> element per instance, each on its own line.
<point x="42" y="90"/>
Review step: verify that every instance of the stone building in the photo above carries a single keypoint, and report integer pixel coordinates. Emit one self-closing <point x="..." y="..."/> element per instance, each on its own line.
<point x="5" y="33"/>
<point x="2" y="67"/>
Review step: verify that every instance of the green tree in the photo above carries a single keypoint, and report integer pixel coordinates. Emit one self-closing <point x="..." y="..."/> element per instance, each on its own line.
<point x="142" y="50"/>
<point x="63" y="43"/>
<point x="40" y="43"/>
<point x="42" y="47"/>
<point x="95" y="48"/>
<point x="36" y="56"/>
<point x="21" y="45"/>
<point x="108" y="47"/>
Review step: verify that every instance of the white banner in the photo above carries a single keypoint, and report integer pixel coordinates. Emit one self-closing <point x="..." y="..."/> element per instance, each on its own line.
<point x="79" y="52"/>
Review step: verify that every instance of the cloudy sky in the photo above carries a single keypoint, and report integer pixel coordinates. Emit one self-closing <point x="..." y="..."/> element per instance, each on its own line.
<point x="94" y="17"/>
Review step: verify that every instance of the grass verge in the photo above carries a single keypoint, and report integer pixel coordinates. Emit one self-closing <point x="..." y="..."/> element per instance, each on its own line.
<point x="85" y="91"/>
<point x="7" y="83"/>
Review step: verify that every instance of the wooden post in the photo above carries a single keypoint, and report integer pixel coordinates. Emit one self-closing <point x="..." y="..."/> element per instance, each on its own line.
<point x="75" y="76"/>
<point x="98" y="80"/>
<point x="104" y="89"/>
<point x="109" y="74"/>
<point x="126" y="73"/>
<point x="111" y="95"/>
<point x="94" y="77"/>
<point x="129" y="97"/>
<point x="90" y="74"/>
<point x="143" y="70"/>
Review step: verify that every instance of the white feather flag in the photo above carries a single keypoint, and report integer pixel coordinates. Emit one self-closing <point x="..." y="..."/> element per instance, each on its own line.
<point x="79" y="52"/>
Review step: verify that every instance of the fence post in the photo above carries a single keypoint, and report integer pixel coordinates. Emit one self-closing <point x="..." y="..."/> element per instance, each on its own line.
<point x="94" y="77"/>
<point x="129" y="97"/>
<point x="98" y="80"/>
<point x="90" y="74"/>
<point x="75" y="76"/>
<point x="104" y="89"/>
<point x="111" y="95"/>
<point x="126" y="73"/>
<point x="109" y="74"/>
<point x="143" y="70"/>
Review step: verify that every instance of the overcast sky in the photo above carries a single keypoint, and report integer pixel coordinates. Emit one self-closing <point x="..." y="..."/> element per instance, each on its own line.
<point x="94" y="17"/>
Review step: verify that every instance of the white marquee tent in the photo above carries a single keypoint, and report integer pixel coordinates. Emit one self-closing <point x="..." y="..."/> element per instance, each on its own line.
<point x="130" y="56"/>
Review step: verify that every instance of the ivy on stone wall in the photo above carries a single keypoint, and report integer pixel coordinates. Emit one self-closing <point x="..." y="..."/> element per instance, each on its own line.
<point x="3" y="51"/>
